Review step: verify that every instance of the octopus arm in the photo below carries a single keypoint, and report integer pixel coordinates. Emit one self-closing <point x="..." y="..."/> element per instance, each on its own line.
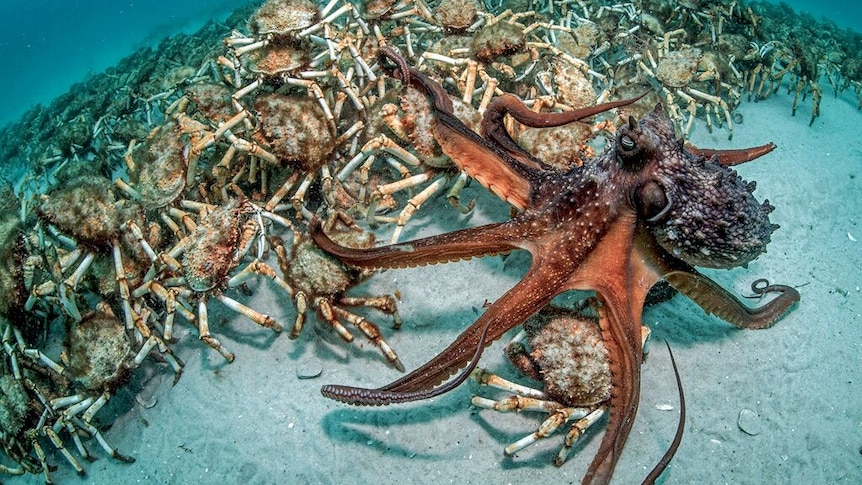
<point x="453" y="246"/>
<point x="626" y="357"/>
<point x="708" y="294"/>
<point x="729" y="158"/>
<point x="717" y="301"/>
<point x="621" y="280"/>
<point x="502" y="174"/>
<point x="409" y="75"/>
<point x="535" y="290"/>
<point x="494" y="128"/>
<point x="506" y="176"/>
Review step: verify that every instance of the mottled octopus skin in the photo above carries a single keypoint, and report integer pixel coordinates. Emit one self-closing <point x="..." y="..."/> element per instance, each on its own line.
<point x="603" y="227"/>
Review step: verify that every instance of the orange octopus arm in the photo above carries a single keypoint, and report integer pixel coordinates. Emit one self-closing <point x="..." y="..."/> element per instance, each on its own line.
<point x="534" y="291"/>
<point x="452" y="246"/>
<point x="621" y="281"/>
<point x="728" y="158"/>
<point x="494" y="128"/>
<point x="495" y="169"/>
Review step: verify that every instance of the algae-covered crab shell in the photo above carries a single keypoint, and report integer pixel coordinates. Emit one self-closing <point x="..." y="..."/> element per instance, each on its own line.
<point x="98" y="350"/>
<point x="85" y="208"/>
<point x="316" y="273"/>
<point x="162" y="174"/>
<point x="211" y="252"/>
<point x="284" y="57"/>
<point x="713" y="219"/>
<point x="571" y="355"/>
<point x="283" y="17"/>
<point x="294" y="130"/>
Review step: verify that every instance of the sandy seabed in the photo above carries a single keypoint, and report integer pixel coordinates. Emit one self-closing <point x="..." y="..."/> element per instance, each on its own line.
<point x="255" y="421"/>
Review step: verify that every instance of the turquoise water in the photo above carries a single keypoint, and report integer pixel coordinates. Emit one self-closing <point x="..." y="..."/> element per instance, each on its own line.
<point x="845" y="14"/>
<point x="47" y="45"/>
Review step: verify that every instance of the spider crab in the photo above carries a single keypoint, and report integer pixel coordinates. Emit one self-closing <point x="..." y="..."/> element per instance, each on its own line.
<point x="647" y="208"/>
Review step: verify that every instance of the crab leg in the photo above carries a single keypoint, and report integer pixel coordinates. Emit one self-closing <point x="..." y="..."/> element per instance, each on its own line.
<point x="204" y="332"/>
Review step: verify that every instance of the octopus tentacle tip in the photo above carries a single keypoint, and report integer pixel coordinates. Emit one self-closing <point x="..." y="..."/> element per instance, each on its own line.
<point x="352" y="395"/>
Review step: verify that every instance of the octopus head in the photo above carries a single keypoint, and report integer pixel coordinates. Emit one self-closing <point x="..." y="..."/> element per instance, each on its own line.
<point x="698" y="210"/>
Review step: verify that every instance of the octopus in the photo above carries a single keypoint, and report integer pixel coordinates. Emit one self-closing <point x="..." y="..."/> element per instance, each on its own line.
<point x="648" y="208"/>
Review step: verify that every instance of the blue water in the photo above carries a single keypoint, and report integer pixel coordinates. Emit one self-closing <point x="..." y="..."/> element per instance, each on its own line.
<point x="846" y="14"/>
<point x="48" y="45"/>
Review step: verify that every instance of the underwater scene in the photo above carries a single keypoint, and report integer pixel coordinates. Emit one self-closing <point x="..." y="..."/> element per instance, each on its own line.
<point x="431" y="241"/>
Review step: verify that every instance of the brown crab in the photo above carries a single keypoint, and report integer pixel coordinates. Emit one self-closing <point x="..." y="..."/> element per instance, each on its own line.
<point x="319" y="280"/>
<point x="43" y="400"/>
<point x="646" y="209"/>
<point x="563" y="349"/>
<point x="206" y="262"/>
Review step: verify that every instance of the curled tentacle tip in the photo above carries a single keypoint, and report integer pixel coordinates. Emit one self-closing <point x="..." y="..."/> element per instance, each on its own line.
<point x="403" y="70"/>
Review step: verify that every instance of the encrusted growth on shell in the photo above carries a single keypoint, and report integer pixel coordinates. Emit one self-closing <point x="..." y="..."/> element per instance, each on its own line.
<point x="677" y="68"/>
<point x="499" y="39"/>
<point x="569" y="351"/>
<point x="161" y="177"/>
<point x="316" y="273"/>
<point x="12" y="291"/>
<point x="456" y="15"/>
<point x="294" y="130"/>
<point x="13" y="407"/>
<point x="85" y="209"/>
<point x="96" y="367"/>
<point x="212" y="248"/>
<point x="283" y="16"/>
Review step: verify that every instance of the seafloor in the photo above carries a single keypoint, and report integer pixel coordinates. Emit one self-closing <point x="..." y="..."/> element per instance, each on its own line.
<point x="256" y="421"/>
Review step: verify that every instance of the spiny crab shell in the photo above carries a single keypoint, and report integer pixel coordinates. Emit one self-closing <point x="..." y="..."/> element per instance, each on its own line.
<point x="562" y="147"/>
<point x="86" y="209"/>
<point x="574" y="88"/>
<point x="14" y="406"/>
<point x="456" y="15"/>
<point x="316" y="273"/>
<point x="568" y="349"/>
<point x="279" y="57"/>
<point x="211" y="249"/>
<point x="496" y="40"/>
<point x="677" y="68"/>
<point x="161" y="177"/>
<point x="294" y="130"/>
<point x="95" y="367"/>
<point x="281" y="17"/>
<point x="713" y="220"/>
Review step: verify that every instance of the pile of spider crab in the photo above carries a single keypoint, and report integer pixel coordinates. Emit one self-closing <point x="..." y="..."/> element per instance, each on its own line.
<point x="283" y="145"/>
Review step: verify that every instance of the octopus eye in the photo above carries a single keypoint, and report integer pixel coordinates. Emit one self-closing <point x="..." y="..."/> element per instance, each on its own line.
<point x="652" y="201"/>
<point x="632" y="148"/>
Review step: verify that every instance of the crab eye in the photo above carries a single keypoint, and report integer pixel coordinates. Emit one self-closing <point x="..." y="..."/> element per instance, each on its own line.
<point x="652" y="201"/>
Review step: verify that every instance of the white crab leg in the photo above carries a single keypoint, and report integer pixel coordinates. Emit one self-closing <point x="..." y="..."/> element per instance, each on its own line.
<point x="204" y="332"/>
<point x="257" y="317"/>
<point x="35" y="354"/>
<point x="123" y="284"/>
<point x="58" y="443"/>
<point x="560" y="417"/>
